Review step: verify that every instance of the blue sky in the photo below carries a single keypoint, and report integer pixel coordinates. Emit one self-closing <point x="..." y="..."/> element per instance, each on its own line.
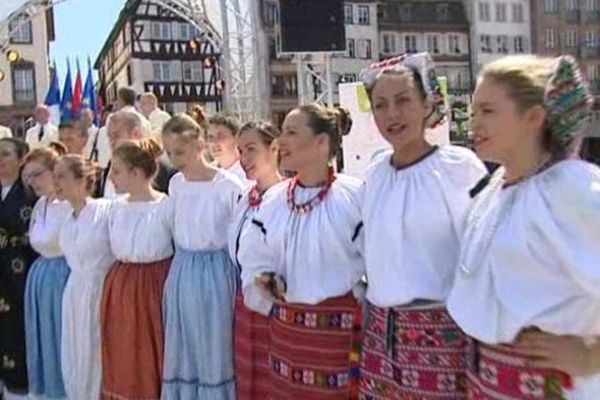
<point x="82" y="26"/>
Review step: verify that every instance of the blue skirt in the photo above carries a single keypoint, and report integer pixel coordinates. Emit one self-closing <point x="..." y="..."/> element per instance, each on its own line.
<point x="198" y="304"/>
<point x="43" y="319"/>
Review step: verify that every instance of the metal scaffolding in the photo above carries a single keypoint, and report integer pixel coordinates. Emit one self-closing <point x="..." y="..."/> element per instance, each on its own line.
<point x="230" y="25"/>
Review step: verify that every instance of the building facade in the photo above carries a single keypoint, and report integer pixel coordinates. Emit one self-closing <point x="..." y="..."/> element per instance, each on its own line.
<point x="498" y="28"/>
<point x="438" y="27"/>
<point x="152" y="49"/>
<point x="572" y="27"/>
<point x="362" y="48"/>
<point x="25" y="82"/>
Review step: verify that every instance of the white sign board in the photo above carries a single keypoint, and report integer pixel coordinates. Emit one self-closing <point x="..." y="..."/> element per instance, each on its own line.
<point x="364" y="142"/>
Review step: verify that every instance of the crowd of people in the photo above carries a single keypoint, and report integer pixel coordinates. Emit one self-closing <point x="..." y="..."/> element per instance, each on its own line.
<point x="174" y="259"/>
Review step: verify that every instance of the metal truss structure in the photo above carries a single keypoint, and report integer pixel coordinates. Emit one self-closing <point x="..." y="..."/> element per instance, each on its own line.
<point x="315" y="82"/>
<point x="231" y="25"/>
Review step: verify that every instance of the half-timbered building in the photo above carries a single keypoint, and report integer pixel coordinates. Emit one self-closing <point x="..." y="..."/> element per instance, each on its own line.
<point x="151" y="48"/>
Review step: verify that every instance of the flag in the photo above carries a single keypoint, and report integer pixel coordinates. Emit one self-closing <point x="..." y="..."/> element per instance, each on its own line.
<point x="77" y="94"/>
<point x="53" y="97"/>
<point x="88" y="99"/>
<point x="66" y="104"/>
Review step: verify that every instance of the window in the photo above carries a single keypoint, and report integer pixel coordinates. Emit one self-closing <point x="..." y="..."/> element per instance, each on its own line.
<point x="350" y="48"/>
<point x="272" y="14"/>
<point x="364" y="48"/>
<point x="347" y="78"/>
<point x="272" y="48"/>
<point x="188" y="32"/>
<point x="192" y="71"/>
<point x="21" y="31"/>
<point x="519" y="44"/>
<point x="284" y="86"/>
<point x="433" y="46"/>
<point x="410" y="43"/>
<point x="551" y="6"/>
<point x="363" y="15"/>
<point x="24" y="83"/>
<point x="389" y="43"/>
<point x="441" y="11"/>
<point x="405" y="12"/>
<point x="593" y="73"/>
<point x="484" y="11"/>
<point x="517" y="13"/>
<point x="571" y="38"/>
<point x="500" y="12"/>
<point x="591" y="39"/>
<point x="161" y="71"/>
<point x="486" y="43"/>
<point x="348" y="15"/>
<point x="161" y="31"/>
<point x="502" y="41"/>
<point x="454" y="44"/>
<point x="551" y="38"/>
<point x="571" y="5"/>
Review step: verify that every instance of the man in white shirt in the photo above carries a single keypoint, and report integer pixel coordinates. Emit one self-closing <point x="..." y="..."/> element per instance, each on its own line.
<point x="43" y="132"/>
<point x="157" y="117"/>
<point x="97" y="148"/>
<point x="126" y="98"/>
<point x="5" y="132"/>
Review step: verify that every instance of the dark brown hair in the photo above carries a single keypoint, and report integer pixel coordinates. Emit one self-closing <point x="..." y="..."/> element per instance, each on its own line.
<point x="127" y="95"/>
<point x="334" y="122"/>
<point x="21" y="148"/>
<point x="141" y="154"/>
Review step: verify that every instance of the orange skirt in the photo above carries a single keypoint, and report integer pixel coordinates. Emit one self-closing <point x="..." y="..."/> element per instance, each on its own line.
<point x="132" y="330"/>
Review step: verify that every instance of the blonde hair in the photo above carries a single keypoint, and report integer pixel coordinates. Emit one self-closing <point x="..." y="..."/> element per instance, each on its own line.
<point x="46" y="156"/>
<point x="528" y="79"/>
<point x="140" y="154"/>
<point x="82" y="168"/>
<point x="184" y="126"/>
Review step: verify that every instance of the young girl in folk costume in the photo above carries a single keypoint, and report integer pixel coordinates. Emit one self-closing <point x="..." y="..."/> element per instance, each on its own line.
<point x="307" y="263"/>
<point x="47" y="278"/>
<point x="415" y="202"/>
<point x="85" y="243"/>
<point x="16" y="256"/>
<point x="257" y="143"/>
<point x="140" y="238"/>
<point x="202" y="282"/>
<point x="531" y="250"/>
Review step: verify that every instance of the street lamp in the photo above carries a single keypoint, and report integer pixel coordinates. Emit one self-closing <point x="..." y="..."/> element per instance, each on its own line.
<point x="13" y="56"/>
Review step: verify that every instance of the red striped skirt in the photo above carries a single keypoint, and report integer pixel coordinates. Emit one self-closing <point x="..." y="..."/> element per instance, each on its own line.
<point x="315" y="350"/>
<point x="132" y="331"/>
<point x="251" y="341"/>
<point x="413" y="353"/>
<point x="499" y="373"/>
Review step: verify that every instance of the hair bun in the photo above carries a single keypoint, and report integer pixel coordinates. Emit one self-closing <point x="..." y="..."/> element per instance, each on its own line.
<point x="197" y="112"/>
<point x="567" y="100"/>
<point x="151" y="147"/>
<point x="344" y="121"/>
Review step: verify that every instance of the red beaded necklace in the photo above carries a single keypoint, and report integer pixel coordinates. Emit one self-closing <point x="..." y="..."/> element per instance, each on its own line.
<point x="308" y="206"/>
<point x="254" y="197"/>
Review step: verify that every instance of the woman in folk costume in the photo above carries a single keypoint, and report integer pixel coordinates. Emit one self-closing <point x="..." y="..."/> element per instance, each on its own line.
<point x="415" y="202"/>
<point x="85" y="243"/>
<point x="202" y="282"/>
<point x="531" y="250"/>
<point x="16" y="256"/>
<point x="140" y="239"/>
<point x="47" y="278"/>
<point x="222" y="145"/>
<point x="303" y="270"/>
<point x="257" y="142"/>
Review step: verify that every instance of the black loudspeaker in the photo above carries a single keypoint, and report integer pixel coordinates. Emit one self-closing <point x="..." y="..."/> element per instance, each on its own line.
<point x="312" y="26"/>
